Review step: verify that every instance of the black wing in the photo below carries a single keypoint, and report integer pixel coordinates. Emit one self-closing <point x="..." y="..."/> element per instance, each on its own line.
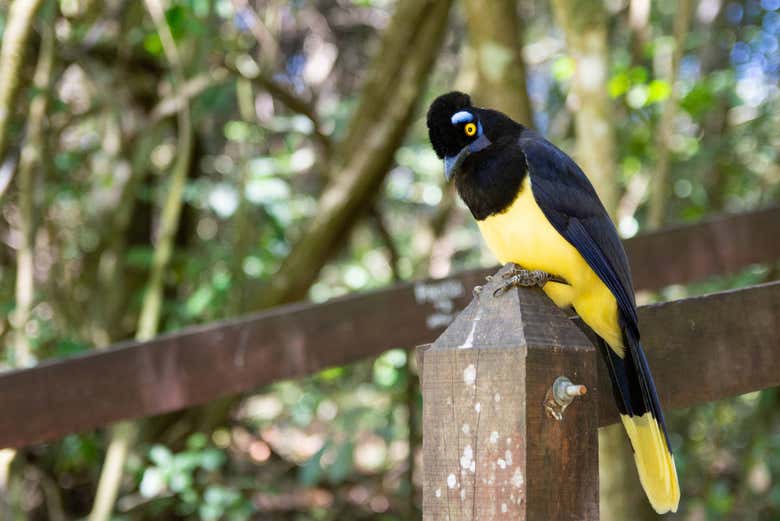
<point x="570" y="203"/>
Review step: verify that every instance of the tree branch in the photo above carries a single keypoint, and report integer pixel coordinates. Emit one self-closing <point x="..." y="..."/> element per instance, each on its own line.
<point x="191" y="89"/>
<point x="20" y="20"/>
<point x="364" y="157"/>
<point x="29" y="163"/>
<point x="387" y="241"/>
<point x="290" y="100"/>
<point x="124" y="434"/>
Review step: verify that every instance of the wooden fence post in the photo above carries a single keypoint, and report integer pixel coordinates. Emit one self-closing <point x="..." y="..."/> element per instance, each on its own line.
<point x="492" y="448"/>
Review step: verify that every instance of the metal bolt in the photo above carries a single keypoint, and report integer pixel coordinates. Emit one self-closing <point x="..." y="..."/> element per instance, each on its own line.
<point x="560" y="395"/>
<point x="564" y="391"/>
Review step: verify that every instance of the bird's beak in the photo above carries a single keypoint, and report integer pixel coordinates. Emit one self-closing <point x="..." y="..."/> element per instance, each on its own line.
<point x="452" y="163"/>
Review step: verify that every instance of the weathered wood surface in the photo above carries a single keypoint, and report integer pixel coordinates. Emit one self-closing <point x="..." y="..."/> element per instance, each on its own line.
<point x="716" y="246"/>
<point x="708" y="348"/>
<point x="200" y="364"/>
<point x="490" y="449"/>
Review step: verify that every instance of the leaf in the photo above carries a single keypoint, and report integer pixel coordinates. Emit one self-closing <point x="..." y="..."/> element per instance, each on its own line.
<point x="658" y="90"/>
<point x="153" y="482"/>
<point x="161" y="455"/>
<point x="199" y="301"/>
<point x="180" y="481"/>
<point x="69" y="347"/>
<point x="153" y="44"/>
<point x="197" y="441"/>
<point x="310" y="472"/>
<point x="212" y="459"/>
<point x="618" y="85"/>
<point x="563" y="69"/>
<point x="698" y="100"/>
<point x="342" y="465"/>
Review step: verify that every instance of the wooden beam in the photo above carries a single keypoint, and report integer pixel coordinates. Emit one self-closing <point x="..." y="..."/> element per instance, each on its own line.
<point x="719" y="245"/>
<point x="495" y="443"/>
<point x="196" y="365"/>
<point x="704" y="349"/>
<point x="200" y="364"/>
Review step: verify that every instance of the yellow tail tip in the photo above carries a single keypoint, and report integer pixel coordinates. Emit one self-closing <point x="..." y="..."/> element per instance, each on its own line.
<point x="654" y="462"/>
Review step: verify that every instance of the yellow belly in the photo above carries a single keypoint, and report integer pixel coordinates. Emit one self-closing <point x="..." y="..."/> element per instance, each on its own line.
<point x="523" y="235"/>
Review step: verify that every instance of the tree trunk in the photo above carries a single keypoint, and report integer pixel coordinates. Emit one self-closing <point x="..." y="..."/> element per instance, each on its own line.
<point x="585" y="24"/>
<point x="495" y="34"/>
<point x="29" y="165"/>
<point x="714" y="57"/>
<point x="29" y="170"/>
<point x="20" y="20"/>
<point x="639" y="22"/>
<point x="659" y="188"/>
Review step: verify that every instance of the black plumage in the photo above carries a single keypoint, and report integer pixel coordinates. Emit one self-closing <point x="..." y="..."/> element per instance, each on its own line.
<point x="490" y="172"/>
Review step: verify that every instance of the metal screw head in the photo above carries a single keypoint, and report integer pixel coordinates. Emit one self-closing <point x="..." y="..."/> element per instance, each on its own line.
<point x="561" y="395"/>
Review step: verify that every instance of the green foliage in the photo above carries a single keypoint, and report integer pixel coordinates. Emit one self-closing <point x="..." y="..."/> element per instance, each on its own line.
<point x="337" y="445"/>
<point x="190" y="477"/>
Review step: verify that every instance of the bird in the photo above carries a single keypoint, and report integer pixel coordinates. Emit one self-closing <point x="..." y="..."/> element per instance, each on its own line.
<point x="536" y="209"/>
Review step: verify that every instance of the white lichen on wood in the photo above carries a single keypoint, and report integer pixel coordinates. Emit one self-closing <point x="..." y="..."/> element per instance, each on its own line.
<point x="467" y="460"/>
<point x="517" y="478"/>
<point x="451" y="481"/>
<point x="470" y="374"/>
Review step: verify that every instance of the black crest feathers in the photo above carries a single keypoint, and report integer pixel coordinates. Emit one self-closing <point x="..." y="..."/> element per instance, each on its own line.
<point x="445" y="138"/>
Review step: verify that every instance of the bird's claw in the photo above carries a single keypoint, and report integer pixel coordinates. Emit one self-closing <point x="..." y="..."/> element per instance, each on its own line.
<point x="519" y="276"/>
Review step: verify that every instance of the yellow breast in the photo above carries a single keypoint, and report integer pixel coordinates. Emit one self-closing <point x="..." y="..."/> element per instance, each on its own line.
<point x="523" y="235"/>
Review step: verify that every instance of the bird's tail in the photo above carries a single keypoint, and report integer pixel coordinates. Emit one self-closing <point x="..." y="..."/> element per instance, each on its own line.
<point x="640" y="412"/>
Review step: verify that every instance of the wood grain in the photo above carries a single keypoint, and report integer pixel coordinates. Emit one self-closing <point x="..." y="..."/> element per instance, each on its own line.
<point x="194" y="366"/>
<point x="708" y="348"/>
<point x="718" y="245"/>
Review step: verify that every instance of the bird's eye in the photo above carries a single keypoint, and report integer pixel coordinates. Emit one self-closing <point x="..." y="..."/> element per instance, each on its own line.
<point x="470" y="129"/>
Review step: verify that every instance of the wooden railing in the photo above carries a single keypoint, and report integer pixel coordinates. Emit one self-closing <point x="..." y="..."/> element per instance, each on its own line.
<point x="191" y="367"/>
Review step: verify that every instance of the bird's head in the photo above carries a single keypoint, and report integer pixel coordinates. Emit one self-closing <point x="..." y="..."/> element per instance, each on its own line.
<point x="455" y="130"/>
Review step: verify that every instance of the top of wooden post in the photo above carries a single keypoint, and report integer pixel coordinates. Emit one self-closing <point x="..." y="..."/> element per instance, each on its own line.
<point x="519" y="318"/>
<point x="496" y="442"/>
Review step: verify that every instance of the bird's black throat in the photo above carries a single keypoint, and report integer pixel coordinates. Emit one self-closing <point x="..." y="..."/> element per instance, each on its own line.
<point x="490" y="180"/>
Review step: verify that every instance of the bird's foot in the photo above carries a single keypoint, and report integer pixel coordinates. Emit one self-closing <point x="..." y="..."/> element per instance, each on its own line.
<point x="521" y="277"/>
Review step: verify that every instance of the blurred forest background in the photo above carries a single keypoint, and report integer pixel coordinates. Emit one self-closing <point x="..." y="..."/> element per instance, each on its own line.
<point x="174" y="162"/>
